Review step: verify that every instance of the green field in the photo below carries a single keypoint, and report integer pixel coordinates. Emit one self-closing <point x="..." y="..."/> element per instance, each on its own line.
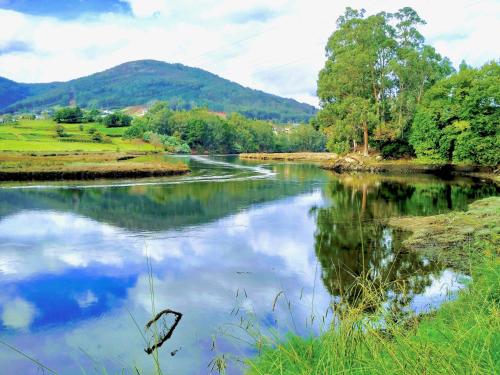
<point x="41" y="136"/>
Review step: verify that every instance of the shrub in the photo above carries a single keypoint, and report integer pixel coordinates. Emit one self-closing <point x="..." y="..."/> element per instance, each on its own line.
<point x="117" y="120"/>
<point x="69" y="115"/>
<point x="60" y="131"/>
<point x="396" y="149"/>
<point x="338" y="146"/>
<point x="425" y="135"/>
<point x="97" y="136"/>
<point x="137" y="130"/>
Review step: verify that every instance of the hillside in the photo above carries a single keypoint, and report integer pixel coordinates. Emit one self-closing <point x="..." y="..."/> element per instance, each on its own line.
<point x="143" y="81"/>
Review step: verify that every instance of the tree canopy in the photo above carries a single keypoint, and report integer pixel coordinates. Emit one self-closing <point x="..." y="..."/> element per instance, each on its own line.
<point x="69" y="115"/>
<point x="459" y="118"/>
<point x="205" y="131"/>
<point x="375" y="74"/>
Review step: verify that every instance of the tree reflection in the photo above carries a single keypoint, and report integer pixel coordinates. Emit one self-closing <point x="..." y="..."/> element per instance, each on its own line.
<point x="360" y="254"/>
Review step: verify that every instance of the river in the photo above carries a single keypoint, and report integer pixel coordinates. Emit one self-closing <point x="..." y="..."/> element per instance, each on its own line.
<point x="241" y="249"/>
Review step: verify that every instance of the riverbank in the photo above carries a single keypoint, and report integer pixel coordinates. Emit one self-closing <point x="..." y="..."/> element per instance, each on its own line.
<point x="461" y="337"/>
<point x="358" y="163"/>
<point x="291" y="156"/>
<point x="15" y="166"/>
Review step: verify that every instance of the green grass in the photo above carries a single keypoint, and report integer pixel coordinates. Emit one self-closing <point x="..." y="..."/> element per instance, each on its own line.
<point x="40" y="136"/>
<point x="462" y="337"/>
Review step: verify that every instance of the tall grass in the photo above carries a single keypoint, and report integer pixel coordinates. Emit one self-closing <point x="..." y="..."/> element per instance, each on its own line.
<point x="462" y="337"/>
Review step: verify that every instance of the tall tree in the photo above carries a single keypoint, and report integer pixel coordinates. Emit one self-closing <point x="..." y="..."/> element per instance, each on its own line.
<point x="354" y="79"/>
<point x="376" y="72"/>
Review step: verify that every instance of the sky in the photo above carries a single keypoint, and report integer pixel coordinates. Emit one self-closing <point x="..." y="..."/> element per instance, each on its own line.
<point x="273" y="45"/>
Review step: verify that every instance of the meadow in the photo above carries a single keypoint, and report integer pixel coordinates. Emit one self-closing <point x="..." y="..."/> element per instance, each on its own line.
<point x="40" y="136"/>
<point x="33" y="150"/>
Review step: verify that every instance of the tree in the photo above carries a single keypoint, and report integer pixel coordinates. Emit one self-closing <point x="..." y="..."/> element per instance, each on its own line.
<point x="459" y="118"/>
<point x="376" y="72"/>
<point x="69" y="115"/>
<point x="91" y="115"/>
<point x="117" y="120"/>
<point x="355" y="72"/>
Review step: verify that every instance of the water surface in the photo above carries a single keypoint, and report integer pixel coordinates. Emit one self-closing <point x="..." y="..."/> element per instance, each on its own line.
<point x="223" y="242"/>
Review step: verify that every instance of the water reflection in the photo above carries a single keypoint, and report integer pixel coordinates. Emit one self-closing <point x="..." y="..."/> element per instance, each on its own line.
<point x="73" y="261"/>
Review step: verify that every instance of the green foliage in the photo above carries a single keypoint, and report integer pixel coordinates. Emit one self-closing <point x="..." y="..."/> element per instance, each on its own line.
<point x="425" y="136"/>
<point x="60" y="132"/>
<point x="366" y="341"/>
<point x="376" y="71"/>
<point x="26" y="116"/>
<point x="117" y="120"/>
<point x="203" y="130"/>
<point x="137" y="130"/>
<point x="300" y="138"/>
<point x="140" y="82"/>
<point x="97" y="136"/>
<point x="92" y="115"/>
<point x="69" y="115"/>
<point x="459" y="118"/>
<point x="396" y="149"/>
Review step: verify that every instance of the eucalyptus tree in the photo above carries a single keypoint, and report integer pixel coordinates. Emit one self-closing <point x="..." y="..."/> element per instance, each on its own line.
<point x="375" y="74"/>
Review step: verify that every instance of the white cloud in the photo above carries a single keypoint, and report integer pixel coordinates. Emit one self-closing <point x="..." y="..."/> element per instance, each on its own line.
<point x="18" y="314"/>
<point x="277" y="48"/>
<point x="147" y="8"/>
<point x="86" y="299"/>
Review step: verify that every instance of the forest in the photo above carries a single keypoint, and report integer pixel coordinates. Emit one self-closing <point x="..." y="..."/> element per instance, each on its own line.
<point x="200" y="130"/>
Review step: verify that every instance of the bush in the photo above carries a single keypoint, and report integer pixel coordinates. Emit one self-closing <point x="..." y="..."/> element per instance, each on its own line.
<point x="60" y="131"/>
<point x="97" y="136"/>
<point x="478" y="150"/>
<point x="92" y="130"/>
<point x="92" y="115"/>
<point x="396" y="149"/>
<point x="338" y="146"/>
<point x="459" y="119"/>
<point x="137" y="130"/>
<point x="175" y="145"/>
<point x="69" y="115"/>
<point x="425" y="135"/>
<point x="117" y="120"/>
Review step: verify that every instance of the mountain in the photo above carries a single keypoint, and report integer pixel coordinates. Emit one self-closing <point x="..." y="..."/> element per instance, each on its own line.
<point x="143" y="81"/>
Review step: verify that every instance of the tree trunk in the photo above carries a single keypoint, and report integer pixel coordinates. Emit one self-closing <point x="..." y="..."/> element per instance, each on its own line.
<point x="365" y="137"/>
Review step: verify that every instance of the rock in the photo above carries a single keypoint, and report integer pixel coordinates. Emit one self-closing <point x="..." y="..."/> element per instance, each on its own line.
<point x="351" y="164"/>
<point x="378" y="158"/>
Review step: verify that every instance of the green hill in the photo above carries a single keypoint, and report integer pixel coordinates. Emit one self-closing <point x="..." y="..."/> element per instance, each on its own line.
<point x="143" y="81"/>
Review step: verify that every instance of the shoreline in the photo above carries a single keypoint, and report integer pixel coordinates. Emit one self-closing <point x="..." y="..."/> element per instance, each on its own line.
<point x="357" y="163"/>
<point x="85" y="166"/>
<point x="290" y="156"/>
<point x="442" y="340"/>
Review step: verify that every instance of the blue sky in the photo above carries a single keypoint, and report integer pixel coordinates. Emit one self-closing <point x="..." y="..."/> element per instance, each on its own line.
<point x="274" y="46"/>
<point x="66" y="9"/>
